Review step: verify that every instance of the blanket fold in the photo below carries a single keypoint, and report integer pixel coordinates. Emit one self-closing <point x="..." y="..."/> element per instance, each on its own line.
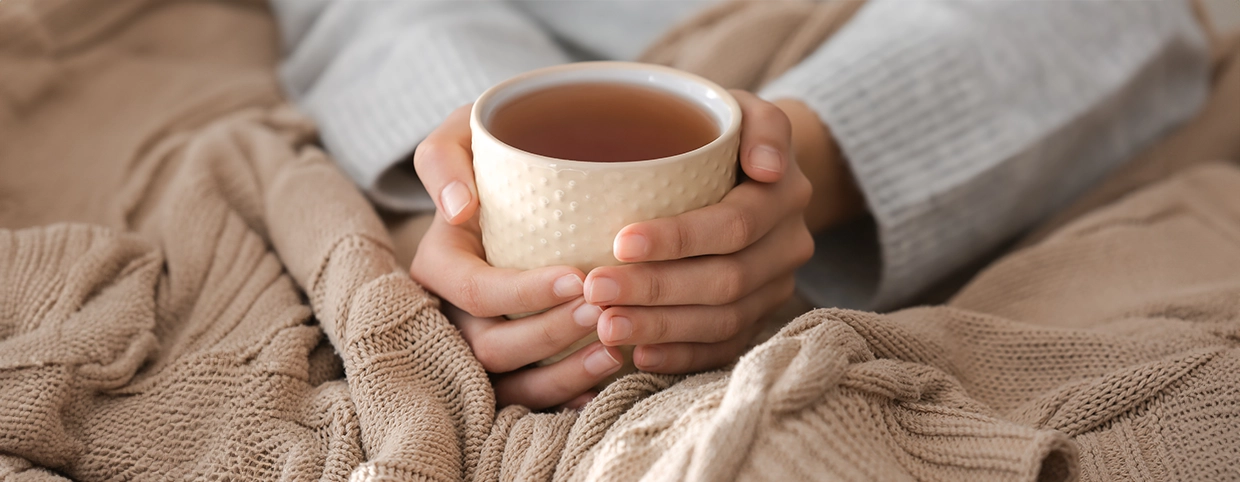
<point x="189" y="289"/>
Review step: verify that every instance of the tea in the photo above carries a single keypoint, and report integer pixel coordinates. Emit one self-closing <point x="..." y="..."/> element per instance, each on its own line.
<point x="603" y="122"/>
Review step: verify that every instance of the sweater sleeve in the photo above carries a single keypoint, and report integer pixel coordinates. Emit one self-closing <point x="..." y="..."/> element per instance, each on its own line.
<point x="966" y="122"/>
<point x="378" y="76"/>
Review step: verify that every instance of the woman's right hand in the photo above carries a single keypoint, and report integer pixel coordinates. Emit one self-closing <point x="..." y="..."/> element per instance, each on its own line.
<point x="451" y="263"/>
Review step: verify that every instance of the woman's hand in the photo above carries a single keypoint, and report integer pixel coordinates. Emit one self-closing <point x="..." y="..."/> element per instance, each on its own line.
<point x="451" y="263"/>
<point x="700" y="281"/>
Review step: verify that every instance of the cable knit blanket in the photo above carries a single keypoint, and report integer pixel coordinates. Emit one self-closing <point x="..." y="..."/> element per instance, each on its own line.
<point x="190" y="290"/>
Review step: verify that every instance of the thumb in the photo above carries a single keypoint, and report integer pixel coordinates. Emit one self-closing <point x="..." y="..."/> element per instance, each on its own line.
<point x="766" y="138"/>
<point x="444" y="162"/>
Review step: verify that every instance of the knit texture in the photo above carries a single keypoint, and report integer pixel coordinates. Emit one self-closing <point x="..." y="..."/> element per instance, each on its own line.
<point x="189" y="289"/>
<point x="978" y="119"/>
<point x="194" y="279"/>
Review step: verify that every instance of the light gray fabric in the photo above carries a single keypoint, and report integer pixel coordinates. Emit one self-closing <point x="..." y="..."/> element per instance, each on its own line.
<point x="610" y="29"/>
<point x="377" y="76"/>
<point x="963" y="121"/>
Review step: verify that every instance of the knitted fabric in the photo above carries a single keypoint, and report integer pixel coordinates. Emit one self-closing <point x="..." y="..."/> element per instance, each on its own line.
<point x="189" y="289"/>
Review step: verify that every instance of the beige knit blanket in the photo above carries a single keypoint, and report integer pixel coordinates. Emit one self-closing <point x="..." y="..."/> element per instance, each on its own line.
<point x="186" y="281"/>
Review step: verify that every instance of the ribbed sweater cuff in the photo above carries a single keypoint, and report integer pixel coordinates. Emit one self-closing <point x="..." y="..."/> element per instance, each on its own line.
<point x="387" y="92"/>
<point x="371" y="130"/>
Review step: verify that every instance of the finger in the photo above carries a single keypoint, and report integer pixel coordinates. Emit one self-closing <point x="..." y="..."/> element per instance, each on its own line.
<point x="505" y="345"/>
<point x="746" y="214"/>
<point x="691" y="357"/>
<point x="707" y="280"/>
<point x="637" y="325"/>
<point x="766" y="138"/>
<point x="449" y="263"/>
<point x="444" y="162"/>
<point x="561" y="382"/>
<point x="581" y="400"/>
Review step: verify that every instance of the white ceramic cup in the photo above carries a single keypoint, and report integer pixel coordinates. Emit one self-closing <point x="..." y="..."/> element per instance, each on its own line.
<point x="539" y="211"/>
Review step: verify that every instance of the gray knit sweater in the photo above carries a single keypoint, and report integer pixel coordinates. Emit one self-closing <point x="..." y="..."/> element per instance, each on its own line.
<point x="963" y="121"/>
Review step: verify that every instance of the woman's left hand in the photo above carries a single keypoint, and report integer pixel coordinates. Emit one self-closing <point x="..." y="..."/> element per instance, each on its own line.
<point x="700" y="281"/>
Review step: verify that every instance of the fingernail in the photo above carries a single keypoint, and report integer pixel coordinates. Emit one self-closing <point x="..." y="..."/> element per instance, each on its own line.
<point x="587" y="315"/>
<point x="602" y="291"/>
<point x="652" y="356"/>
<point x="631" y="247"/>
<point x="619" y="329"/>
<point x="766" y="158"/>
<point x="567" y="286"/>
<point x="454" y="198"/>
<point x="601" y="363"/>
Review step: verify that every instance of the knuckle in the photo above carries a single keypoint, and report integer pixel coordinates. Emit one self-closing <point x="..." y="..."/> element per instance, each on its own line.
<point x="731" y="324"/>
<point x="661" y="328"/>
<point x="736" y="277"/>
<point x="688" y="360"/>
<point x="780" y="120"/>
<point x="549" y="337"/>
<point x="524" y="296"/>
<point x="488" y="356"/>
<point x="468" y="296"/>
<point x="740" y="227"/>
<point x="425" y="154"/>
<point x="655" y="291"/>
<point x="417" y="268"/>
<point x="767" y="112"/>
<point x="802" y="191"/>
<point x="683" y="244"/>
<point x="731" y="281"/>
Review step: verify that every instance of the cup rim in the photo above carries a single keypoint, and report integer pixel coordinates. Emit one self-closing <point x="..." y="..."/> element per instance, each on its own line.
<point x="731" y="131"/>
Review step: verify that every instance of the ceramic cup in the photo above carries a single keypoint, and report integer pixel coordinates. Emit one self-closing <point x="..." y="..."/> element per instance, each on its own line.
<point x="539" y="211"/>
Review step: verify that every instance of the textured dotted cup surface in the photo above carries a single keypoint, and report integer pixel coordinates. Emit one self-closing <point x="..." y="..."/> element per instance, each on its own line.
<point x="537" y="214"/>
<point x="538" y="211"/>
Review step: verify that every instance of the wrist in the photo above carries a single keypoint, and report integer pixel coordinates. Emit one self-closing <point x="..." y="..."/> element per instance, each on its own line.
<point x="836" y="198"/>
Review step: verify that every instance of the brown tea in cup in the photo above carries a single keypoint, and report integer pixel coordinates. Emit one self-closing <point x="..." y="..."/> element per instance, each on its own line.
<point x="603" y="122"/>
